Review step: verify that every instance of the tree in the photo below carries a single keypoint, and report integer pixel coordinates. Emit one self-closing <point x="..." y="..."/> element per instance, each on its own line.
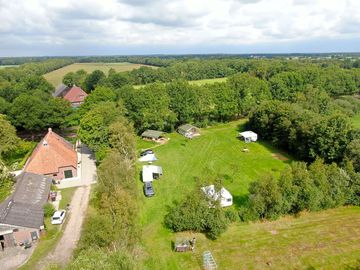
<point x="93" y="79"/>
<point x="250" y="91"/>
<point x="352" y="153"/>
<point x="183" y="101"/>
<point x="122" y="138"/>
<point x="148" y="108"/>
<point x="38" y="112"/>
<point x="225" y="101"/>
<point x="100" y="94"/>
<point x="193" y="213"/>
<point x="8" y="138"/>
<point x="94" y="126"/>
<point x="265" y="198"/>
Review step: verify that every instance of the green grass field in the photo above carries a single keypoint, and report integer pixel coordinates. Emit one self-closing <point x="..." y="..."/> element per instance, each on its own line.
<point x="55" y="77"/>
<point x="208" y="81"/>
<point x="9" y="66"/>
<point x="356" y="121"/>
<point x="285" y="242"/>
<point x="196" y="82"/>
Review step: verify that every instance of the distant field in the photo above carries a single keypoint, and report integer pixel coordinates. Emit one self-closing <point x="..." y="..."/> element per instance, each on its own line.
<point x="9" y="66"/>
<point x="55" y="77"/>
<point x="209" y="81"/>
<point x="356" y="121"/>
<point x="196" y="82"/>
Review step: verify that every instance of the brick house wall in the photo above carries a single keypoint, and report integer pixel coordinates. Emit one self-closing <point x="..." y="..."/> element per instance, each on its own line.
<point x="24" y="234"/>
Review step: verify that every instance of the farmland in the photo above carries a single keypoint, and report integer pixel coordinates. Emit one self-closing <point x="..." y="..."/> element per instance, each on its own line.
<point x="55" y="77"/>
<point x="219" y="152"/>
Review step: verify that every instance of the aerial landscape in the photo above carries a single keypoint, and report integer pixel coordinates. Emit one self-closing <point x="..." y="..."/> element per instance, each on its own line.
<point x="179" y="134"/>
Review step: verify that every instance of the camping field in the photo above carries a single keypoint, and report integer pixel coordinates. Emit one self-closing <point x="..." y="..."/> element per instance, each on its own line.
<point x="55" y="77"/>
<point x="312" y="239"/>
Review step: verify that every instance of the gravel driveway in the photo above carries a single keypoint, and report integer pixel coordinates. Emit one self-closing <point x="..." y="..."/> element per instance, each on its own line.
<point x="78" y="206"/>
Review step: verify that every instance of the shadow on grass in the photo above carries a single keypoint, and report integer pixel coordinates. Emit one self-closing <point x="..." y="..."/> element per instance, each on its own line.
<point x="240" y="200"/>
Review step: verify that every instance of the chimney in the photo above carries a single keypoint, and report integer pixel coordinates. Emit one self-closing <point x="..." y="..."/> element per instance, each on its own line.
<point x="49" y="130"/>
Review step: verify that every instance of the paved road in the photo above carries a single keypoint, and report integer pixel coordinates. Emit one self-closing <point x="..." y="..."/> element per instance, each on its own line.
<point x="78" y="206"/>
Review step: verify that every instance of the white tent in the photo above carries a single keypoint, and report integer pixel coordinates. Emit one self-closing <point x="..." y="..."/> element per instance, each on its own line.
<point x="151" y="172"/>
<point x="148" y="158"/>
<point x="224" y="195"/>
<point x="249" y="136"/>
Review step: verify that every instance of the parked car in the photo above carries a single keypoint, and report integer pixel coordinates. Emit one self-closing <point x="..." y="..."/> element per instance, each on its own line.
<point x="148" y="189"/>
<point x="58" y="217"/>
<point x="146" y="152"/>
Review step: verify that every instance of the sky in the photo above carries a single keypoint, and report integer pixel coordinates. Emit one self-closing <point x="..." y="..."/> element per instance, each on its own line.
<point x="123" y="27"/>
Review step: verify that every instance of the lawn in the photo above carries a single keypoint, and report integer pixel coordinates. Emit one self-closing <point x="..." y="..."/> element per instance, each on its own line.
<point x="52" y="236"/>
<point x="55" y="77"/>
<point x="327" y="239"/>
<point x="216" y="152"/>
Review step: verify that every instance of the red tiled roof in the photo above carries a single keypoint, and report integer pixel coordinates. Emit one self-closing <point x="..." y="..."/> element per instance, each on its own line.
<point x="52" y="153"/>
<point x="75" y="95"/>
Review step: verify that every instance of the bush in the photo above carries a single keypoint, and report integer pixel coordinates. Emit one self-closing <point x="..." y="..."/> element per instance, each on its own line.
<point x="49" y="210"/>
<point x="193" y="213"/>
<point x="231" y="215"/>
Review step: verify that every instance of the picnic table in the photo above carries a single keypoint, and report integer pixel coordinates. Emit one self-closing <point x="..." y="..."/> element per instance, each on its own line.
<point x="182" y="245"/>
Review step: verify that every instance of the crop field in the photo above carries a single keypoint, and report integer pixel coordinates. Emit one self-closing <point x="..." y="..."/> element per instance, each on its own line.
<point x="312" y="239"/>
<point x="55" y="77"/>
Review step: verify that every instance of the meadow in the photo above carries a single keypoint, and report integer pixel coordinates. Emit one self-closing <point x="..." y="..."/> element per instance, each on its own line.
<point x="308" y="240"/>
<point x="355" y="120"/>
<point x="196" y="82"/>
<point x="55" y="77"/>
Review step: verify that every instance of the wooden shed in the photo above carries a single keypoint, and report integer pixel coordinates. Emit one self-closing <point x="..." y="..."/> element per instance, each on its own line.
<point x="188" y="131"/>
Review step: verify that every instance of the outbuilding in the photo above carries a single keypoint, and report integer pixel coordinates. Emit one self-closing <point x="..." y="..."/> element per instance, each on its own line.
<point x="151" y="172"/>
<point x="248" y="136"/>
<point x="153" y="135"/>
<point x="22" y="214"/>
<point x="189" y="131"/>
<point x="223" y="195"/>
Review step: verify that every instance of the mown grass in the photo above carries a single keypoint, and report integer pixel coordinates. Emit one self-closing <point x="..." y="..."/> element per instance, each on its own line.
<point x="52" y="236"/>
<point x="55" y="77"/>
<point x="217" y="151"/>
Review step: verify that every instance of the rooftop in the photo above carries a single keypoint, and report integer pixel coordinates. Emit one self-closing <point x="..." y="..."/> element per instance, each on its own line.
<point x="152" y="134"/>
<point x="52" y="153"/>
<point x="25" y="206"/>
<point x="186" y="127"/>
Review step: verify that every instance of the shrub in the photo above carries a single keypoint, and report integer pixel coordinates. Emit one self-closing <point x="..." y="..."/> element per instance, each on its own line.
<point x="193" y="213"/>
<point x="49" y="210"/>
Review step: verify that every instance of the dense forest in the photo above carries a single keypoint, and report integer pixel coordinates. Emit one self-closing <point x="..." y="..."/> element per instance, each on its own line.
<point x="302" y="106"/>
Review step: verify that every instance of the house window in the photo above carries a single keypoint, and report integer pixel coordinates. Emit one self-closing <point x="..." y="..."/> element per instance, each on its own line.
<point x="68" y="174"/>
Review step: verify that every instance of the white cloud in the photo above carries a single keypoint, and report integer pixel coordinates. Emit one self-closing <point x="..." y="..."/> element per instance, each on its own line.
<point x="175" y="23"/>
